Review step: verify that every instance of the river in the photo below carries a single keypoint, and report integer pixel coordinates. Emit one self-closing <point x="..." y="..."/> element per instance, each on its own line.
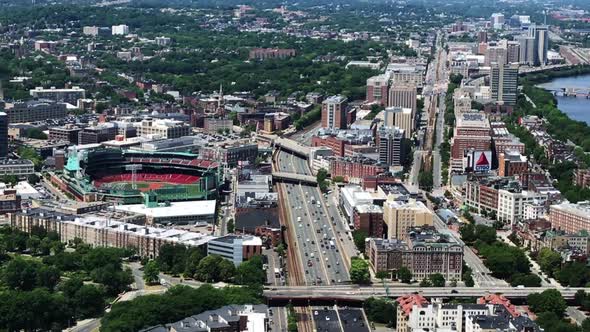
<point x="575" y="108"/>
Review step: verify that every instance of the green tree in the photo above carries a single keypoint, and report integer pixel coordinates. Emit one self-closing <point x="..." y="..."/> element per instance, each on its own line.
<point x="382" y="275"/>
<point x="550" y="300"/>
<point x="230" y="226"/>
<point x="48" y="276"/>
<point x="437" y="280"/>
<point x="208" y="269"/>
<point x="359" y="237"/>
<point x="527" y="280"/>
<point x="549" y="260"/>
<point x="89" y="302"/>
<point x="380" y="311"/>
<point x="425" y="283"/>
<point x="321" y="177"/>
<point x="250" y="272"/>
<point x="359" y="271"/>
<point x="20" y="274"/>
<point x="227" y="270"/>
<point x="151" y="272"/>
<point x="192" y="261"/>
<point x="404" y="275"/>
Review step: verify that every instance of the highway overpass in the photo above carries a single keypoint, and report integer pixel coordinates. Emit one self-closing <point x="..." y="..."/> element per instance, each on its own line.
<point x="351" y="293"/>
<point x="294" y="177"/>
<point x="292" y="146"/>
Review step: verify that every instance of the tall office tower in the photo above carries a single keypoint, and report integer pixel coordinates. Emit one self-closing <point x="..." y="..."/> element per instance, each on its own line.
<point x="495" y="54"/>
<point x="377" y="89"/>
<point x="3" y="135"/>
<point x="389" y="146"/>
<point x="504" y="83"/>
<point x="400" y="117"/>
<point x="334" y="112"/>
<point x="512" y="52"/>
<point x="526" y="50"/>
<point x="482" y="37"/>
<point x="403" y="95"/>
<point x="498" y="21"/>
<point x="541" y="35"/>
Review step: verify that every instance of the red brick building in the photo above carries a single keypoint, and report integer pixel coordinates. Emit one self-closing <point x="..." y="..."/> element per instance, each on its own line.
<point x="511" y="163"/>
<point x="355" y="168"/>
<point x="334" y="114"/>
<point x="337" y="145"/>
<point x="369" y="218"/>
<point x="377" y="90"/>
<point x="582" y="177"/>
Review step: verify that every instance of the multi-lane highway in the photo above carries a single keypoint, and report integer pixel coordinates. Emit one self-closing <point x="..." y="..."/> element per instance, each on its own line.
<point x="317" y="233"/>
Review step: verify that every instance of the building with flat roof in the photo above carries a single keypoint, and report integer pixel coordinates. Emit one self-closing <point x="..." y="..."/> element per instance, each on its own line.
<point x="472" y="132"/>
<point x="511" y="163"/>
<point x="424" y="251"/>
<point x="59" y="95"/>
<point x="334" y="112"/>
<point x="104" y="231"/>
<point x="35" y="110"/>
<point x="164" y="128"/>
<point x="200" y="213"/>
<point x="369" y="218"/>
<point x="377" y="90"/>
<point x="404" y="96"/>
<point x="119" y="30"/>
<point x="67" y="133"/>
<point x="390" y="146"/>
<point x="402" y="118"/>
<point x="401" y="215"/>
<point x="19" y="167"/>
<point x="570" y="217"/>
<point x="504" y="83"/>
<point x="235" y="248"/>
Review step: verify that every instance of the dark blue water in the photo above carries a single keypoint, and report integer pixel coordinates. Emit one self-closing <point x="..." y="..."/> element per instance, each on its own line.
<point x="575" y="108"/>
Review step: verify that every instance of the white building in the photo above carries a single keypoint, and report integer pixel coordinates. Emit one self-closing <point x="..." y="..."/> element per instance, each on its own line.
<point x="235" y="248"/>
<point x="352" y="196"/>
<point x="200" y="213"/>
<point x="445" y="317"/>
<point x="120" y="30"/>
<point x="23" y="189"/>
<point x="534" y="210"/>
<point x="511" y="204"/>
<point x="164" y="128"/>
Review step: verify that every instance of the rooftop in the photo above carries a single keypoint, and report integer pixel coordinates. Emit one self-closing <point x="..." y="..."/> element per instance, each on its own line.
<point x="174" y="209"/>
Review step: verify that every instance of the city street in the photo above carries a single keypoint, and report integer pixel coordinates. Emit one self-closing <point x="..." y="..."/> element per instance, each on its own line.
<point x="481" y="274"/>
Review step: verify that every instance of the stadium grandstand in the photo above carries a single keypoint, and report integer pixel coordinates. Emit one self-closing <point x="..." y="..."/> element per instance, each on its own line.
<point x="132" y="177"/>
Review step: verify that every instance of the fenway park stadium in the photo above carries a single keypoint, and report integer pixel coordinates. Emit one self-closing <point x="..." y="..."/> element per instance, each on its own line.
<point x="133" y="177"/>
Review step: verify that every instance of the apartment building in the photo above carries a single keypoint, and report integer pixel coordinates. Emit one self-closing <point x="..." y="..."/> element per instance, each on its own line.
<point x="334" y="113"/>
<point x="377" y="90"/>
<point x="570" y="217"/>
<point x="401" y="118"/>
<point x="401" y="215"/>
<point x="34" y="110"/>
<point x="163" y="128"/>
<point x="390" y="146"/>
<point x="424" y="252"/>
<point x="59" y="95"/>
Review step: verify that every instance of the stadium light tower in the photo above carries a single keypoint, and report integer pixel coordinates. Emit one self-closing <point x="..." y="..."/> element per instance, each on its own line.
<point x="134" y="168"/>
